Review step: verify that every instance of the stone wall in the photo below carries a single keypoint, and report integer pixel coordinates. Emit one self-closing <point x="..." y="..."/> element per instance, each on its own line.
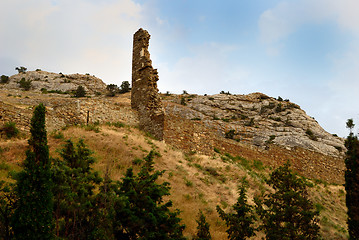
<point x="144" y="94"/>
<point x="63" y="111"/>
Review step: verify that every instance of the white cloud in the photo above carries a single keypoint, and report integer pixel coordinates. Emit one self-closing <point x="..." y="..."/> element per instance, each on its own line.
<point x="277" y="23"/>
<point x="208" y="70"/>
<point x="70" y="36"/>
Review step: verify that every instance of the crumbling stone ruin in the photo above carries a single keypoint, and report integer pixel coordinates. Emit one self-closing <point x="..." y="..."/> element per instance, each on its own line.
<point x="144" y="94"/>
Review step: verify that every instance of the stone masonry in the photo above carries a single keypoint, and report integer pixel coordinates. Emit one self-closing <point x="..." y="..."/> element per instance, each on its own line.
<point x="144" y="94"/>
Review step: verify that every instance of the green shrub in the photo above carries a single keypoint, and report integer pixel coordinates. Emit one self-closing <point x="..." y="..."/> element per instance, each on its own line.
<point x="216" y="150"/>
<point x="279" y="108"/>
<point x="57" y="135"/>
<point x="183" y="101"/>
<point x="44" y="90"/>
<point x="137" y="161"/>
<point x="80" y="92"/>
<point x="25" y="84"/>
<point x="92" y="127"/>
<point x="4" y="79"/>
<point x="188" y="183"/>
<point x="10" y="129"/>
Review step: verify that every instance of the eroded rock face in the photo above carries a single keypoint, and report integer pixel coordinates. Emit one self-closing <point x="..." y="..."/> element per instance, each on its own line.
<point x="41" y="80"/>
<point x="144" y="94"/>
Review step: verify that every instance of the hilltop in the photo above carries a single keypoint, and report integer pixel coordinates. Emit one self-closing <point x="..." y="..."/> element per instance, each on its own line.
<point x="202" y="137"/>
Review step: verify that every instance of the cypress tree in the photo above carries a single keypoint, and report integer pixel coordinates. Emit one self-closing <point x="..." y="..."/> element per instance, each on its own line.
<point x="202" y="228"/>
<point x="240" y="221"/>
<point x="33" y="217"/>
<point x="288" y="213"/>
<point x="352" y="182"/>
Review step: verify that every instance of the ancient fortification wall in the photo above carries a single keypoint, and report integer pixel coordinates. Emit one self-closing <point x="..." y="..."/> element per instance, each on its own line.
<point x="144" y="94"/>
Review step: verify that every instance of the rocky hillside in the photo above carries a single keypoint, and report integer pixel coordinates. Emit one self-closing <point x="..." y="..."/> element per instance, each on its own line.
<point x="210" y="143"/>
<point x="254" y="126"/>
<point x="42" y="80"/>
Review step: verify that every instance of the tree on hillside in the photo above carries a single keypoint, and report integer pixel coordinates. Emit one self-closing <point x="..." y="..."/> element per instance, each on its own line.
<point x="352" y="182"/>
<point x="350" y="124"/>
<point x="80" y="92"/>
<point x="21" y="69"/>
<point x="112" y="90"/>
<point x="74" y="196"/>
<point x="4" y="79"/>
<point x="202" y="228"/>
<point x="25" y="84"/>
<point x="33" y="217"/>
<point x="287" y="214"/>
<point x="144" y="215"/>
<point x="125" y="87"/>
<point x="240" y="221"/>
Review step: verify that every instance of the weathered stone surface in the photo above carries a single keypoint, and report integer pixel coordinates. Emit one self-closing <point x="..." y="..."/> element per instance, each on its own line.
<point x="58" y="82"/>
<point x="61" y="110"/>
<point x="259" y="120"/>
<point x="144" y="94"/>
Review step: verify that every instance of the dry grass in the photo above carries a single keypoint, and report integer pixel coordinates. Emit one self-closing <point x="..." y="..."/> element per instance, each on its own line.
<point x="198" y="182"/>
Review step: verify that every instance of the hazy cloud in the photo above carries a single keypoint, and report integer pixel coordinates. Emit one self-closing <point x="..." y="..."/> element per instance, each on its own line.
<point x="208" y="69"/>
<point x="73" y="36"/>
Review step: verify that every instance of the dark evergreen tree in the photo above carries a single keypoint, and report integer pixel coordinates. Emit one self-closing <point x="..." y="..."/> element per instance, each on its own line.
<point x="144" y="215"/>
<point x="75" y="182"/>
<point x="7" y="207"/>
<point x="80" y="92"/>
<point x="33" y="217"/>
<point x="125" y="87"/>
<point x="240" y="221"/>
<point x="112" y="90"/>
<point x="352" y="182"/>
<point x="202" y="228"/>
<point x="288" y="213"/>
<point x="21" y="69"/>
<point x="4" y="79"/>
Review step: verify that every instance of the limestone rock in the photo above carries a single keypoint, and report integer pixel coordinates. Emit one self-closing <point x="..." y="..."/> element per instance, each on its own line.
<point x="57" y="82"/>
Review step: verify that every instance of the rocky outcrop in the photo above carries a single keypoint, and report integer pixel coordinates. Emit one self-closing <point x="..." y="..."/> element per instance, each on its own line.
<point x="255" y="127"/>
<point x="144" y="94"/>
<point x="47" y="81"/>
<point x="259" y="120"/>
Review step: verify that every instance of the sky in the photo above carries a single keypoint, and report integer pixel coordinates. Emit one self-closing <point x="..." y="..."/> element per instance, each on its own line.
<point x="306" y="51"/>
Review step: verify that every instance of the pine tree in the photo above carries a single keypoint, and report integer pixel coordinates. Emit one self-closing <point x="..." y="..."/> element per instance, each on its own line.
<point x="33" y="217"/>
<point x="240" y="221"/>
<point x="352" y="182"/>
<point x="75" y="182"/>
<point x="202" y="228"/>
<point x="288" y="213"/>
<point x="144" y="215"/>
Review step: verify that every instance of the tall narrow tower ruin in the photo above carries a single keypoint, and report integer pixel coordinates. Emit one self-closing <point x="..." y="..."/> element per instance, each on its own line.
<point x="144" y="94"/>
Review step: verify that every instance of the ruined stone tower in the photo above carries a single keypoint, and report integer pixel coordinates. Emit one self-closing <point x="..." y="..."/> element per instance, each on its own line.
<point x="144" y="94"/>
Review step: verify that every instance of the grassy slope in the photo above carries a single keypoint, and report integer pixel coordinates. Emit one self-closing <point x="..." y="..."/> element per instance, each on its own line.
<point x="197" y="181"/>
